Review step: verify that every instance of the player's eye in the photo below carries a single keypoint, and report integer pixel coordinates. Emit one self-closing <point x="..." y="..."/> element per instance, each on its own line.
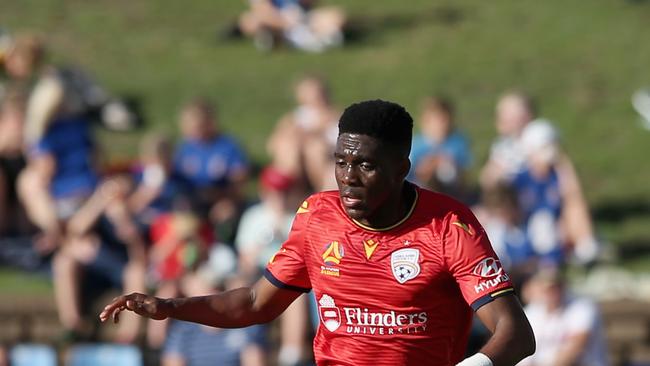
<point x="340" y="163"/>
<point x="367" y="166"/>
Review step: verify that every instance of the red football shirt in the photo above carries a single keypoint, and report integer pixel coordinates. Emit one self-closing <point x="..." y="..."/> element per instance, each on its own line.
<point x="400" y="295"/>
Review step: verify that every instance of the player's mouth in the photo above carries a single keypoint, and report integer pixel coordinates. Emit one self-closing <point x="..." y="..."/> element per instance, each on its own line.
<point x="351" y="202"/>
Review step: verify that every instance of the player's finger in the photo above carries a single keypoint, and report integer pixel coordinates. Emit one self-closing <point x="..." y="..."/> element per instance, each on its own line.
<point x="116" y="315"/>
<point x="109" y="309"/>
<point x="132" y="305"/>
<point x="138" y="307"/>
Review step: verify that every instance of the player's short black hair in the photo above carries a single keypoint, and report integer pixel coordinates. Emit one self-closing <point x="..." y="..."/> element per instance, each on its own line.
<point x="387" y="121"/>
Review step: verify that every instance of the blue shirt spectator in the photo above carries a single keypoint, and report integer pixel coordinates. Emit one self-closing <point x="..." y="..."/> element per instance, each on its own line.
<point x="540" y="202"/>
<point x="440" y="154"/>
<point x="172" y="189"/>
<point x="501" y="217"/>
<point x="281" y="4"/>
<point x="71" y="145"/>
<point x="209" y="163"/>
<point x="455" y="146"/>
<point x="199" y="345"/>
<point x="214" y="164"/>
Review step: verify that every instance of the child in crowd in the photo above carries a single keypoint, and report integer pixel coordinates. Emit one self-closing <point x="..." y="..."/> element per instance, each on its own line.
<point x="440" y="155"/>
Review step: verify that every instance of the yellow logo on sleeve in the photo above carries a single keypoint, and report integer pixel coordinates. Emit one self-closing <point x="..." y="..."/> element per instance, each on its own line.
<point x="303" y="208"/>
<point x="273" y="256"/>
<point x="464" y="226"/>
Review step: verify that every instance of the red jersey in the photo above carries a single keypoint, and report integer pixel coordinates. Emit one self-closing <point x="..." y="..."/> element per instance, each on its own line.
<point x="401" y="295"/>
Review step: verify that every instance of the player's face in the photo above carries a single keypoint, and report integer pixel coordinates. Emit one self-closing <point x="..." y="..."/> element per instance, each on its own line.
<point x="367" y="176"/>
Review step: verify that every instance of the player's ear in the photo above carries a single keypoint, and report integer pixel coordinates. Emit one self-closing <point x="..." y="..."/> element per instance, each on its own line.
<point x="404" y="167"/>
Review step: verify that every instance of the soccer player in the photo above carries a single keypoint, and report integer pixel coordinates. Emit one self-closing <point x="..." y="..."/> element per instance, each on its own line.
<point x="396" y="269"/>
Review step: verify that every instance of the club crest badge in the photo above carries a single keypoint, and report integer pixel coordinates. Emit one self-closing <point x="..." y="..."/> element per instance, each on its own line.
<point x="404" y="263"/>
<point x="329" y="313"/>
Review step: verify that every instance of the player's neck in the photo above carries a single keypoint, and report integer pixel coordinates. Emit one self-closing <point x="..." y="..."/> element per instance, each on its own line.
<point x="394" y="211"/>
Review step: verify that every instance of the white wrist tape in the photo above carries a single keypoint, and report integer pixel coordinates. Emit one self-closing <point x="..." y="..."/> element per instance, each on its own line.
<point x="477" y="359"/>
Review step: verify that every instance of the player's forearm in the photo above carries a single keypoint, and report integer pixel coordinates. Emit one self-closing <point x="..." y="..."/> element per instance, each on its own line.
<point x="230" y="309"/>
<point x="509" y="344"/>
<point x="512" y="337"/>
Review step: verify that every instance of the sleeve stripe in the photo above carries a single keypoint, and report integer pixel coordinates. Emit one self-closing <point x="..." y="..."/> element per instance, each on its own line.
<point x="499" y="293"/>
<point x="279" y="284"/>
<point x="490" y="297"/>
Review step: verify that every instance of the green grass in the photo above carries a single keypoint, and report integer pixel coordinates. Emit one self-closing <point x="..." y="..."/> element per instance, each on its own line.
<point x="582" y="60"/>
<point x="18" y="283"/>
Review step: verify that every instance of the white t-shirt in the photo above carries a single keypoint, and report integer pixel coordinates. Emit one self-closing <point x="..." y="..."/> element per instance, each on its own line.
<point x="579" y="315"/>
<point x="259" y="233"/>
<point x="509" y="154"/>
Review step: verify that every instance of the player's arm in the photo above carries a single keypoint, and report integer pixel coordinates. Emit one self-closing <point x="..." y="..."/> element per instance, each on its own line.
<point x="512" y="337"/>
<point x="487" y="289"/>
<point x="285" y="279"/>
<point x="231" y="309"/>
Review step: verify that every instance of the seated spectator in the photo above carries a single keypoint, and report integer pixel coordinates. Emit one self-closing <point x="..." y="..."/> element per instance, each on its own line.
<point x="302" y="143"/>
<point x="505" y="226"/>
<point x="59" y="177"/>
<point x="551" y="198"/>
<point x="17" y="245"/>
<point x="440" y="154"/>
<point x="191" y="344"/>
<point x="214" y="165"/>
<point x="102" y="248"/>
<point x="264" y="227"/>
<point x="64" y="90"/>
<point x="180" y="244"/>
<point x="60" y="91"/>
<point x="12" y="161"/>
<point x="513" y="112"/>
<point x="568" y="329"/>
<point x="23" y="58"/>
<point x="295" y="21"/>
<point x="158" y="186"/>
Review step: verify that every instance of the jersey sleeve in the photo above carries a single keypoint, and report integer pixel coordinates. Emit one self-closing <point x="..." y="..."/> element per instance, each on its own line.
<point x="471" y="260"/>
<point x="287" y="269"/>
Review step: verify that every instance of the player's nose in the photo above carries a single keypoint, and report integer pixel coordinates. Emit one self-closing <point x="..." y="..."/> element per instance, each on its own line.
<point x="349" y="176"/>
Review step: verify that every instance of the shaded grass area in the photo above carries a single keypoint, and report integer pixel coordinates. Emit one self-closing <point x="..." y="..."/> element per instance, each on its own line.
<point x="581" y="61"/>
<point x="20" y="283"/>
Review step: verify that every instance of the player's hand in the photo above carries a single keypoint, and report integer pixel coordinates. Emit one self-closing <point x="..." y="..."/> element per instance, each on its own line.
<point x="141" y="304"/>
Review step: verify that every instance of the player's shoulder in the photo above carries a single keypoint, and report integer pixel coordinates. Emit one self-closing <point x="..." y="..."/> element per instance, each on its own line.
<point x="444" y="212"/>
<point x="319" y="201"/>
<point x="440" y="205"/>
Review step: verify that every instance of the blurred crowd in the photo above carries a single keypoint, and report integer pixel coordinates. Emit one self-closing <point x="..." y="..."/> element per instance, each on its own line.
<point x="299" y="24"/>
<point x="177" y="221"/>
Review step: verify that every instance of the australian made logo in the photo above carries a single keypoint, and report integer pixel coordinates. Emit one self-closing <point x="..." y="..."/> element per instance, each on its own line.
<point x="362" y="321"/>
<point x="491" y="274"/>
<point x="332" y="256"/>
<point x="404" y="263"/>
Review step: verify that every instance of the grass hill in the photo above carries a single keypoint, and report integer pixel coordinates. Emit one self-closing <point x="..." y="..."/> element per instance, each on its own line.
<point x="581" y="60"/>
